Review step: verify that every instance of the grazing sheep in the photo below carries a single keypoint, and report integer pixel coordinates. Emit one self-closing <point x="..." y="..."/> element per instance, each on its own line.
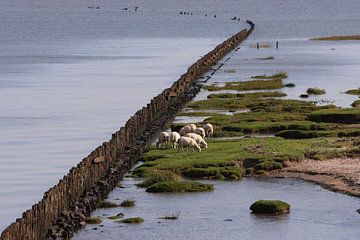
<point x="199" y="140"/>
<point x="209" y="130"/>
<point x="186" y="142"/>
<point x="163" y="139"/>
<point x="174" y="138"/>
<point x="187" y="129"/>
<point x="200" y="131"/>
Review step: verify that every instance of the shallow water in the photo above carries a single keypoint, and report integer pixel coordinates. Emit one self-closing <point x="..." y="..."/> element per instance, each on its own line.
<point x="315" y="213"/>
<point x="70" y="76"/>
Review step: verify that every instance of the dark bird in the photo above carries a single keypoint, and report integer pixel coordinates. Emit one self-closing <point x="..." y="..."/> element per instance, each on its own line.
<point x="136" y="8"/>
<point x="214" y="16"/>
<point x="233" y="18"/>
<point x="125" y="9"/>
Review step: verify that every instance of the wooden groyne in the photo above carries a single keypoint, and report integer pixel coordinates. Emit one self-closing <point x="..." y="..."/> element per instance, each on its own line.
<point x="64" y="207"/>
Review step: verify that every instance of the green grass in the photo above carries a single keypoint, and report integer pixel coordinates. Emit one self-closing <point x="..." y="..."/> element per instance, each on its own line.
<point x="179" y="187"/>
<point x="276" y="75"/>
<point x="270" y="207"/>
<point x="259" y="84"/>
<point x="127" y="203"/>
<point x="271" y="127"/>
<point x="315" y="91"/>
<point x="353" y="92"/>
<point x="107" y="204"/>
<point x="225" y="157"/>
<point x="159" y="176"/>
<point x="338" y="38"/>
<point x="257" y="104"/>
<point x="356" y="104"/>
<point x="134" y="220"/>
<point x="220" y="173"/>
<point x="337" y="115"/>
<point x="248" y="95"/>
<point x="93" y="220"/>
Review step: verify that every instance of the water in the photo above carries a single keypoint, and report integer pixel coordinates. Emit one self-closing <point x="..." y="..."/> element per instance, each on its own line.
<point x="70" y="76"/>
<point x="324" y="215"/>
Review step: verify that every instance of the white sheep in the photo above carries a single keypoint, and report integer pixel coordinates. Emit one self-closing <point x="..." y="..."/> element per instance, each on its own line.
<point x="200" y="131"/>
<point x="186" y="142"/>
<point x="174" y="138"/>
<point x="187" y="129"/>
<point x="199" y="140"/>
<point x="162" y="139"/>
<point x="209" y="130"/>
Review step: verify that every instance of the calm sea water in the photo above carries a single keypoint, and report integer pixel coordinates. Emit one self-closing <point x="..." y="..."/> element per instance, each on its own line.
<point x="224" y="214"/>
<point x="71" y="75"/>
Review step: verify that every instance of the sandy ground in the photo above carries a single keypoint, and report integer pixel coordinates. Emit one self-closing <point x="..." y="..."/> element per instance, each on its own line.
<point x="342" y="175"/>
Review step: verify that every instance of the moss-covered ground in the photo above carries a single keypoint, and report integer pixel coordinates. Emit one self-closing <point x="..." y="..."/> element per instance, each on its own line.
<point x="227" y="159"/>
<point x="270" y="207"/>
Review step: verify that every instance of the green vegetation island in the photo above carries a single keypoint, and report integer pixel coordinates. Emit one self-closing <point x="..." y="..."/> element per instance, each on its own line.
<point x="297" y="132"/>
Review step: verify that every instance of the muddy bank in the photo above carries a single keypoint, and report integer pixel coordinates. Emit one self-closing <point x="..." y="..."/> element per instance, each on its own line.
<point x="339" y="174"/>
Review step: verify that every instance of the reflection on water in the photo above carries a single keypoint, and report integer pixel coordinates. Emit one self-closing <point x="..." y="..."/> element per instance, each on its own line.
<point x="224" y="214"/>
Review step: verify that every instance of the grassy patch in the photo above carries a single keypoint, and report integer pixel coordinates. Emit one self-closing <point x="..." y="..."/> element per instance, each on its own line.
<point x="268" y="166"/>
<point x="270" y="207"/>
<point x="107" y="204"/>
<point x="93" y="220"/>
<point x="337" y="38"/>
<point x="356" y="104"/>
<point x="116" y="217"/>
<point x="276" y="75"/>
<point x="315" y="91"/>
<point x="259" y="84"/>
<point x="127" y="203"/>
<point x="248" y="95"/>
<point x="134" y="220"/>
<point x="338" y="115"/>
<point x="353" y="92"/>
<point x="159" y="176"/>
<point x="179" y="186"/>
<point x="226" y="157"/>
<point x="220" y="173"/>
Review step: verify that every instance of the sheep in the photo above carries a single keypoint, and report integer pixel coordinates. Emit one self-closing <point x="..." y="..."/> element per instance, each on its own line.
<point x="199" y="140"/>
<point x="163" y="138"/>
<point x="209" y="130"/>
<point x="186" y="142"/>
<point x="200" y="131"/>
<point x="174" y="138"/>
<point x="187" y="129"/>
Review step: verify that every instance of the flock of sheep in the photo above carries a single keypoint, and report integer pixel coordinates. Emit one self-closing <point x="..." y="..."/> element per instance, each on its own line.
<point x="189" y="137"/>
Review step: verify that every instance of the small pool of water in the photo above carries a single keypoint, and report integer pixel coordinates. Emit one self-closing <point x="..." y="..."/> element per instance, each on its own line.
<point x="316" y="213"/>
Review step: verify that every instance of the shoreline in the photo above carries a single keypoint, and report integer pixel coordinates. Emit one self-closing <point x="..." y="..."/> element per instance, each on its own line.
<point x="337" y="175"/>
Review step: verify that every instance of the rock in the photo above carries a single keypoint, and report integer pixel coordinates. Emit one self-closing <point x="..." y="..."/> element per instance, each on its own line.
<point x="270" y="207"/>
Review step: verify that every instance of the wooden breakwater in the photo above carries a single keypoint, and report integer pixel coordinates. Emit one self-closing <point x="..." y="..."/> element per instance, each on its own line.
<point x="64" y="207"/>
